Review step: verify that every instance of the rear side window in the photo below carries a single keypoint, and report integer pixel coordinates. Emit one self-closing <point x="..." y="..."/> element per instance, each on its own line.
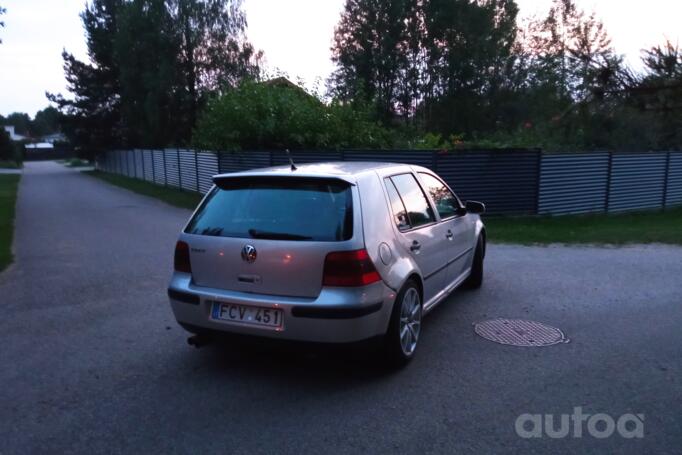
<point x="446" y="202"/>
<point x="413" y="201"/>
<point x="277" y="208"/>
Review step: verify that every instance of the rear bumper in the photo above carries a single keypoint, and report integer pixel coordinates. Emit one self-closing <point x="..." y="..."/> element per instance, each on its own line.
<point x="337" y="315"/>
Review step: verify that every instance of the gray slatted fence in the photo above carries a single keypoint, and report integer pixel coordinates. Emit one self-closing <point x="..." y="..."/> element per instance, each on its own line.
<point x="637" y="181"/>
<point x="674" y="180"/>
<point x="506" y="181"/>
<point x="207" y="166"/>
<point x="510" y="182"/>
<point x="573" y="183"/>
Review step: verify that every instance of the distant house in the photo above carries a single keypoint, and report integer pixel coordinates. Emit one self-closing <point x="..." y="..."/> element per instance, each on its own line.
<point x="54" y="137"/>
<point x="39" y="146"/>
<point x="13" y="135"/>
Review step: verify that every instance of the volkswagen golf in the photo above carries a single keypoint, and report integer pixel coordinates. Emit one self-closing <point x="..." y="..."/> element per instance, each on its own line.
<point x="328" y="252"/>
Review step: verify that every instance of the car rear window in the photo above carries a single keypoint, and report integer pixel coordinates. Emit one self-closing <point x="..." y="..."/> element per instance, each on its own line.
<point x="292" y="208"/>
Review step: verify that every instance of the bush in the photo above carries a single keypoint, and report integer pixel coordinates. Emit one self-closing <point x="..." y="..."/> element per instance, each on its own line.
<point x="278" y="114"/>
<point x="10" y="153"/>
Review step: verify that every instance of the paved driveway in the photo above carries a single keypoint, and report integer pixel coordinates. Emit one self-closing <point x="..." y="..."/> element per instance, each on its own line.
<point x="92" y="360"/>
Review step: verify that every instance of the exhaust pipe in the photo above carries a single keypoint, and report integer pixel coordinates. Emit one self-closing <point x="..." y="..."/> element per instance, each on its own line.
<point x="198" y="341"/>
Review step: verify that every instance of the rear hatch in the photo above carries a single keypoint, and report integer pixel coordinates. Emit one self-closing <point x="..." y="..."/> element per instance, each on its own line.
<point x="270" y="235"/>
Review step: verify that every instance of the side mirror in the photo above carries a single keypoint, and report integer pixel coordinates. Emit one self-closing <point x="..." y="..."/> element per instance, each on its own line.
<point x="475" y="207"/>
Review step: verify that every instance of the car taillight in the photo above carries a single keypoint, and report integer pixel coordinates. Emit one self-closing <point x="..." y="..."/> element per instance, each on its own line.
<point x="349" y="268"/>
<point x="182" y="257"/>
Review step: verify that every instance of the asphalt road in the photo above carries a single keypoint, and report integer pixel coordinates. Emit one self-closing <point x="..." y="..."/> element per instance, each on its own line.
<point x="92" y="360"/>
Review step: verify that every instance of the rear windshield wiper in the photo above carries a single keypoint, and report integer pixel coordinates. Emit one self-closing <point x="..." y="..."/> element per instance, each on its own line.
<point x="258" y="234"/>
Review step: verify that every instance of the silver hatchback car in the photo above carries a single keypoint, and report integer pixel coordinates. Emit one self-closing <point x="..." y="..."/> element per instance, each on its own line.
<point x="330" y="252"/>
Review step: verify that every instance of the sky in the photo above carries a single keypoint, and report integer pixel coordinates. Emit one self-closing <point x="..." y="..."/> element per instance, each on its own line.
<point x="294" y="34"/>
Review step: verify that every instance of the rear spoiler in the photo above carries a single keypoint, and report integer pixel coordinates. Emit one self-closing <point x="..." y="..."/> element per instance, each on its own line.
<point x="223" y="178"/>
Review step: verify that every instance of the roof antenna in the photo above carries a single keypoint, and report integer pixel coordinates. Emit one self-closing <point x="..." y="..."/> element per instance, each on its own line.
<point x="291" y="161"/>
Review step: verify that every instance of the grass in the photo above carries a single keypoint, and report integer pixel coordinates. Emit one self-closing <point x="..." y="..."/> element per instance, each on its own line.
<point x="10" y="165"/>
<point x="640" y="227"/>
<point x="172" y="196"/>
<point x="8" y="196"/>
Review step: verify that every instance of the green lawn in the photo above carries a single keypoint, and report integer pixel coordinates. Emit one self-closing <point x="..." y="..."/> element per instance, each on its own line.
<point x="9" y="165"/>
<point x="8" y="196"/>
<point x="172" y="196"/>
<point x="641" y="227"/>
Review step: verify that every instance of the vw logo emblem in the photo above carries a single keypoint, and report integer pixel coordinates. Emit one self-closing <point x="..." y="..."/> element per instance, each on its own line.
<point x="249" y="253"/>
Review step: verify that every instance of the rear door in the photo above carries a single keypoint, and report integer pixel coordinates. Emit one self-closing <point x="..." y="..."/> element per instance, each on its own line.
<point x="421" y="234"/>
<point x="458" y="229"/>
<point x="271" y="235"/>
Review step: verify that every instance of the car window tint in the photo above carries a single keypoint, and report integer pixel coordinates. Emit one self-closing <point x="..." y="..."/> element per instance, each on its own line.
<point x="399" y="212"/>
<point x="418" y="209"/>
<point x="277" y="208"/>
<point x="446" y="202"/>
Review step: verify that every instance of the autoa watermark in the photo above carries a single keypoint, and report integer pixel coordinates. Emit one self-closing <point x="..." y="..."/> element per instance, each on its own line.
<point x="599" y="426"/>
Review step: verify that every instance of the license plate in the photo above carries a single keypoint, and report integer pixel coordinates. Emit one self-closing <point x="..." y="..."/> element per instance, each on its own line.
<point x="244" y="314"/>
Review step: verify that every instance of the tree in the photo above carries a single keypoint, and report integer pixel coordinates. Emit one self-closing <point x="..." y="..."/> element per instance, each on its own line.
<point x="659" y="92"/>
<point x="21" y="122"/>
<point x="213" y="52"/>
<point x="145" y="50"/>
<point x="92" y="115"/>
<point x="367" y="44"/>
<point x="2" y="23"/>
<point x="468" y="46"/>
<point x="46" y="121"/>
<point x="152" y="65"/>
<point x="441" y="59"/>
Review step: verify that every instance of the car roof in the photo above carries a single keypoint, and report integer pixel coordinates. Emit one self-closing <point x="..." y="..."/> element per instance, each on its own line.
<point x="345" y="170"/>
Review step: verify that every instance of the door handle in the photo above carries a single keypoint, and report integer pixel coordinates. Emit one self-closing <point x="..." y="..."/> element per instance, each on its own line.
<point x="449" y="235"/>
<point x="416" y="246"/>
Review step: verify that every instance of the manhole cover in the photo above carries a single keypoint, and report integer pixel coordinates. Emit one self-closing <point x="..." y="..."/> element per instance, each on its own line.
<point x="517" y="332"/>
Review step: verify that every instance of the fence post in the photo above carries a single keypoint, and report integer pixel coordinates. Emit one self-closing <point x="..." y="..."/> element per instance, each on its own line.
<point x="434" y="161"/>
<point x="144" y="176"/>
<point x="665" y="180"/>
<point x="179" y="170"/>
<point x="608" y="183"/>
<point x="196" y="167"/>
<point x="538" y="178"/>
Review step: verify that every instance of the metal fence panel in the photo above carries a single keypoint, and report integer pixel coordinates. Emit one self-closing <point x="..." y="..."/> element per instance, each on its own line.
<point x="172" y="168"/>
<point x="207" y="166"/>
<point x="159" y="167"/>
<point x="302" y="157"/>
<point x="674" y="191"/>
<point x="573" y="183"/>
<point x="139" y="164"/>
<point x="130" y="163"/>
<point x="637" y="181"/>
<point x="507" y="182"/>
<point x="148" y="159"/>
<point x="242" y="161"/>
<point x="419" y="157"/>
<point x="188" y="170"/>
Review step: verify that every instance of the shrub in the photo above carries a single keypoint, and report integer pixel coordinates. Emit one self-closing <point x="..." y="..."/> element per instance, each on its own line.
<point x="277" y="115"/>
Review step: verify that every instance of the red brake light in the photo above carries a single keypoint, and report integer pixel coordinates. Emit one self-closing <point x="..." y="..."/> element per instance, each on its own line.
<point x="182" y="263"/>
<point x="349" y="268"/>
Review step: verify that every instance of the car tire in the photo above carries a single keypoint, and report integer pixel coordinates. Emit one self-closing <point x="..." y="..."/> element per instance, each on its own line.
<point x="401" y="339"/>
<point x="475" y="278"/>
